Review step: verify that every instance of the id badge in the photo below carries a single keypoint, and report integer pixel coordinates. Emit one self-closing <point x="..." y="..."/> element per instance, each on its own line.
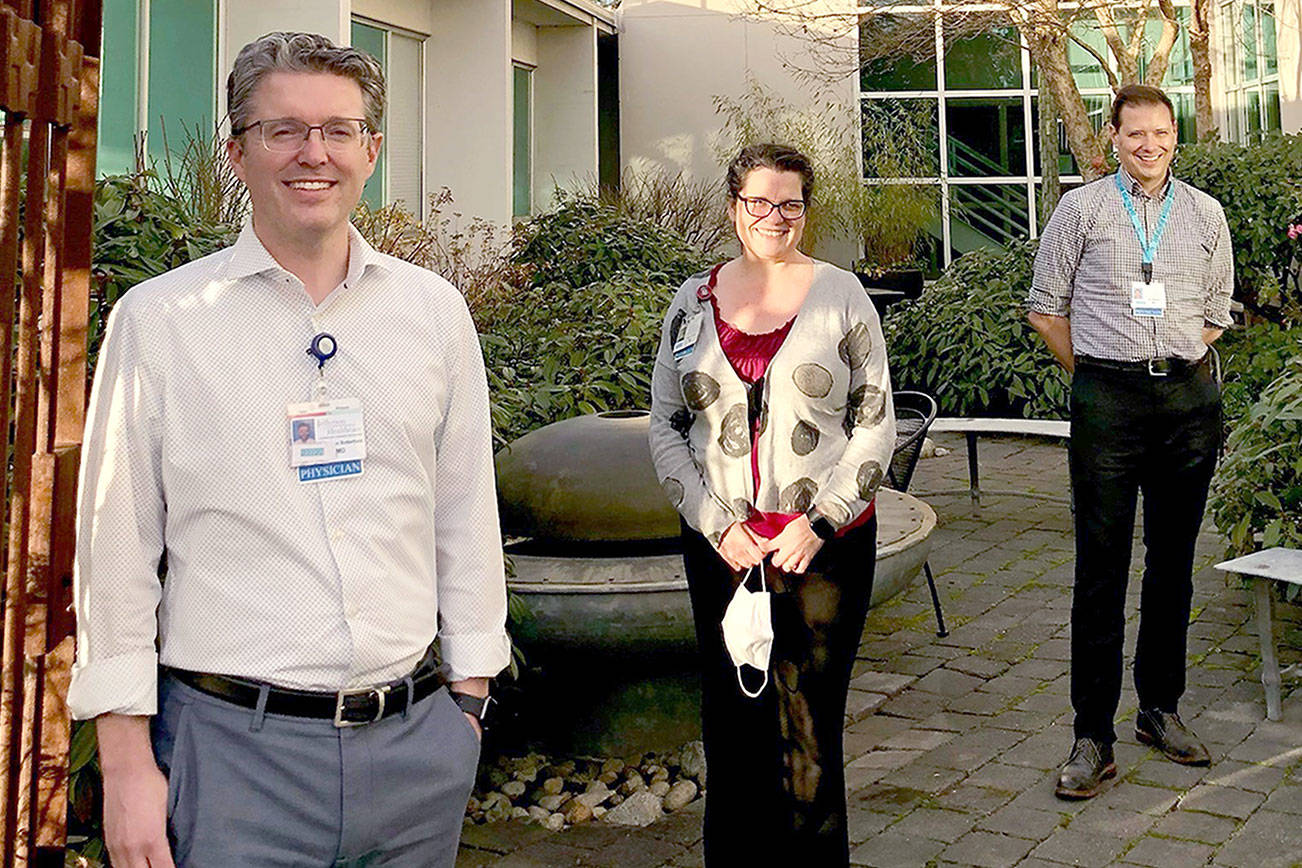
<point x="1148" y="299"/>
<point x="687" y="337"/>
<point x="326" y="439"/>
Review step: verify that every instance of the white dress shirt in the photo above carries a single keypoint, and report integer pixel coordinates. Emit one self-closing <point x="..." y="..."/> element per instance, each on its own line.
<point x="322" y="585"/>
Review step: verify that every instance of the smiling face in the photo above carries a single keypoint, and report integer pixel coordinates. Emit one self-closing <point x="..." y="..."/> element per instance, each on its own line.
<point x="1145" y="142"/>
<point x="772" y="238"/>
<point x="307" y="195"/>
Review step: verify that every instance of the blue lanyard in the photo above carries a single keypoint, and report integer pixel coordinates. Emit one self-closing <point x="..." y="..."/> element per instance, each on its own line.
<point x="1147" y="246"/>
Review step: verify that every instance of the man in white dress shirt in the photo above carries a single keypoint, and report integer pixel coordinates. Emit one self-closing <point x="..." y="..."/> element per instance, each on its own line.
<point x="270" y="700"/>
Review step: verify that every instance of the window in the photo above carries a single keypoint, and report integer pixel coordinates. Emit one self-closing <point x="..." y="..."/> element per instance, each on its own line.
<point x="1250" y="66"/>
<point x="398" y="175"/>
<point x="522" y="144"/>
<point x="145" y="44"/>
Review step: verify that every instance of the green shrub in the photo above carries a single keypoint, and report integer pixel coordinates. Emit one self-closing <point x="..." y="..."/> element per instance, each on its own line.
<point x="557" y="351"/>
<point x="1260" y="187"/>
<point x="582" y="241"/>
<point x="1251" y="359"/>
<point x="1256" y="496"/>
<point x="966" y="341"/>
<point x="692" y="208"/>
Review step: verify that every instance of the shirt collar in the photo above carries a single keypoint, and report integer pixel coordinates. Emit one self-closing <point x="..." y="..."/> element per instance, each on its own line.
<point x="250" y="257"/>
<point x="1137" y="189"/>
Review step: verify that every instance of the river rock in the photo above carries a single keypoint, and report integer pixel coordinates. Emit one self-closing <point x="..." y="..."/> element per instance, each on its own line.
<point x="596" y="793"/>
<point x="553" y="803"/>
<point x="640" y="809"/>
<point x="599" y="812"/>
<point x="555" y="822"/>
<point x="553" y="786"/>
<point x="497" y="807"/>
<point x="608" y="778"/>
<point x="659" y="788"/>
<point x="614" y="766"/>
<point x="513" y="789"/>
<point x="519" y="814"/>
<point x="680" y="795"/>
<point x="577" y="812"/>
<point x="472" y="805"/>
<point x="632" y="785"/>
<point x="692" y="761"/>
<point x="538" y="813"/>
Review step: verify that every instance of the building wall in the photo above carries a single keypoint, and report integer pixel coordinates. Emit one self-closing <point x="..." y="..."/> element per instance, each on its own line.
<point x="246" y="20"/>
<point x="677" y="55"/>
<point x="1289" y="42"/>
<point x="413" y="15"/>
<point x="565" y="114"/>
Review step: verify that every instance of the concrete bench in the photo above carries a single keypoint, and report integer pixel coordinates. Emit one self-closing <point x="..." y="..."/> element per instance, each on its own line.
<point x="972" y="427"/>
<point x="1263" y="567"/>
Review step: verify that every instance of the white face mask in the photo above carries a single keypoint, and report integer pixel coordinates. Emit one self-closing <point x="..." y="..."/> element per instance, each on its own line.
<point x="748" y="631"/>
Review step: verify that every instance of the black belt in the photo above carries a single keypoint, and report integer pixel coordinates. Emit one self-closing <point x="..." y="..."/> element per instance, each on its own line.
<point x="1150" y="367"/>
<point x="351" y="707"/>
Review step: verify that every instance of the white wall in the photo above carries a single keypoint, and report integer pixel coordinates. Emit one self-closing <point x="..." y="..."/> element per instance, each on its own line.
<point x="246" y="20"/>
<point x="1288" y="37"/>
<point x="468" y="105"/>
<point x="677" y="55"/>
<point x="414" y="15"/>
<point x="565" y="111"/>
<point x="524" y="42"/>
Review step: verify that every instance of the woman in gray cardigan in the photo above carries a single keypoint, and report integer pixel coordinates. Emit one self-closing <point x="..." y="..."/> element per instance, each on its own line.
<point x="771" y="430"/>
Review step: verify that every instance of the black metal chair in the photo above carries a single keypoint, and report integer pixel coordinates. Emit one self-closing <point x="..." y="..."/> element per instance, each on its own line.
<point x="914" y="413"/>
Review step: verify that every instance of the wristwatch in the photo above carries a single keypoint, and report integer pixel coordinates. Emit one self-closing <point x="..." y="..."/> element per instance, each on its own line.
<point x="819" y="524"/>
<point x="475" y="706"/>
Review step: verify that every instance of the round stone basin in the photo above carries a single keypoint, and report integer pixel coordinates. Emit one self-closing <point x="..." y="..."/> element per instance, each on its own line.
<point x="636" y="602"/>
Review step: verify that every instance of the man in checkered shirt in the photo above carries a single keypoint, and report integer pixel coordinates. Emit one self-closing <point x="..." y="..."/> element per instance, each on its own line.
<point x="1132" y="285"/>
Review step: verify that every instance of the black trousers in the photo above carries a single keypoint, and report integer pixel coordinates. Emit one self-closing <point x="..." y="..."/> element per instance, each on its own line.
<point x="1134" y="432"/>
<point x="775" y="789"/>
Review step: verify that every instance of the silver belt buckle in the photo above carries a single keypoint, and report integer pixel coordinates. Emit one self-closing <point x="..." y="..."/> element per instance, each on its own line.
<point x="342" y="695"/>
<point x="1156" y="373"/>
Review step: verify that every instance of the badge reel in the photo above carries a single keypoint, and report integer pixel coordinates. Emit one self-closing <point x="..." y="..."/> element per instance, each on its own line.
<point x="327" y="438"/>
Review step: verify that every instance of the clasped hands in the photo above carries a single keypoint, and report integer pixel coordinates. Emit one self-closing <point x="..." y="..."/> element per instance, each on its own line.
<point x="790" y="551"/>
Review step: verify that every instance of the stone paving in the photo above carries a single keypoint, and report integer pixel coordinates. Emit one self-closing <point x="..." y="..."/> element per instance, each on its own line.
<point x="953" y="743"/>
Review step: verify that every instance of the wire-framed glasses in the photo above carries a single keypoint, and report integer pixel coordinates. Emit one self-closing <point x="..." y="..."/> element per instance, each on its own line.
<point x="792" y="209"/>
<point x="288" y="135"/>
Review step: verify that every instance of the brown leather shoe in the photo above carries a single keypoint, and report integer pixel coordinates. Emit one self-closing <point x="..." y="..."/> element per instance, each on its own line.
<point x="1167" y="732"/>
<point x="1089" y="765"/>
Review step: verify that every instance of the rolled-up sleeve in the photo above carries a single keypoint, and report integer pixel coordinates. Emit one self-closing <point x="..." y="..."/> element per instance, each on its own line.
<point x="467" y="538"/>
<point x="671" y="453"/>
<point x="120" y="521"/>
<point x="1056" y="261"/>
<point x="1220" y="276"/>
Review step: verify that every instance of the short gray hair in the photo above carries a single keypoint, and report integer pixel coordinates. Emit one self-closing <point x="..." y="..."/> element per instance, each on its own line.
<point x="301" y="52"/>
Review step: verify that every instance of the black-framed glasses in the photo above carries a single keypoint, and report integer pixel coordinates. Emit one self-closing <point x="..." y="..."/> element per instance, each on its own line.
<point x="792" y="209"/>
<point x="288" y="135"/>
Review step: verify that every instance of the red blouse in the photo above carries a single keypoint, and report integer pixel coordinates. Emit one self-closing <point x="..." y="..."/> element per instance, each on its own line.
<point x="750" y="354"/>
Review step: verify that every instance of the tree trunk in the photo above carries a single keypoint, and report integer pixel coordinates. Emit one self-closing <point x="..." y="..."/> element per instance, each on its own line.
<point x="1050" y="186"/>
<point x="1049" y="49"/>
<point x="1200" y="52"/>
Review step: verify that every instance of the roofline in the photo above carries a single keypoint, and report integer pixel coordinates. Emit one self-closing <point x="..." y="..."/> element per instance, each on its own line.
<point x="588" y="11"/>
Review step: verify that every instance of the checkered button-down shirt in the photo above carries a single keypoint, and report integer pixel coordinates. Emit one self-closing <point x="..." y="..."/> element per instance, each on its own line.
<point x="319" y="586"/>
<point x="1090" y="255"/>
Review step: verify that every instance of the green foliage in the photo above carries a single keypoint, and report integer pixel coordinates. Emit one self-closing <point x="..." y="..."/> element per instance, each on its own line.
<point x="899" y="141"/>
<point x="555" y="351"/>
<point x="140" y="232"/>
<point x="582" y="241"/>
<point x="691" y="208"/>
<point x="967" y="342"/>
<point x="1260" y="187"/>
<point x="1256" y="498"/>
<point x="1251" y="359"/>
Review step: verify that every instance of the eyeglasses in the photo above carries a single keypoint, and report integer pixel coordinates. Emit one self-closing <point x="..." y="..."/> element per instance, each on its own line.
<point x="792" y="209"/>
<point x="288" y="135"/>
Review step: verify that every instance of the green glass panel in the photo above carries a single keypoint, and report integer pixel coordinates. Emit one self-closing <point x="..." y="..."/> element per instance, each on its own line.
<point x="1186" y="117"/>
<point x="1271" y="96"/>
<point x="117" y="86"/>
<point x="987" y="136"/>
<point x="1254" y="115"/>
<point x="1269" y="51"/>
<point x="992" y="59"/>
<point x="372" y="41"/>
<point x="1248" y="33"/>
<point x="182" y="36"/>
<point x="1098" y="109"/>
<point x="1085" y="67"/>
<point x="900" y="138"/>
<point x="897" y="52"/>
<point x="1179" y="70"/>
<point x="987" y="216"/>
<point x="522" y="144"/>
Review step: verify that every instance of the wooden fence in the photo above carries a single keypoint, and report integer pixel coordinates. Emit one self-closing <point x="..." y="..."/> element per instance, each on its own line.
<point x="49" y="91"/>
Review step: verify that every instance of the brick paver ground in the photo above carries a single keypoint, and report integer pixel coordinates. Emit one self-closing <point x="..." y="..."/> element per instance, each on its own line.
<point x="953" y="744"/>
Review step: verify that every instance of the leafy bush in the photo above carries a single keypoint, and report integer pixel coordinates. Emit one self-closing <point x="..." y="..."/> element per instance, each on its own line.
<point x="557" y="351"/>
<point x="966" y="341"/>
<point x="582" y="241"/>
<point x="1260" y="187"/>
<point x="1251" y="359"/>
<point x="1256" y="496"/>
<point x="692" y="209"/>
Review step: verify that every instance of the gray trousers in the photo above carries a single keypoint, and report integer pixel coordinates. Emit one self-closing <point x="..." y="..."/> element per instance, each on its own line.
<point x="264" y="791"/>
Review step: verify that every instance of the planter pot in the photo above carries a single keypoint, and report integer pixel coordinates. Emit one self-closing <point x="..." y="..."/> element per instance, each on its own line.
<point x="906" y="280"/>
